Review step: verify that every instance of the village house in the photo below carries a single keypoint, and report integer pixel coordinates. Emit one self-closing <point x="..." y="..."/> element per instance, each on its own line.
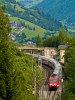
<point x="62" y="53"/>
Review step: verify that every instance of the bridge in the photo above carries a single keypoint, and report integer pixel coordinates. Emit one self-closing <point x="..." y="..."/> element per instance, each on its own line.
<point x="44" y="51"/>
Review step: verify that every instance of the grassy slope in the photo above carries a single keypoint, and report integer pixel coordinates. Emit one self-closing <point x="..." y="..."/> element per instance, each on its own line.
<point x="35" y="17"/>
<point x="71" y="30"/>
<point x="29" y="33"/>
<point x="19" y="8"/>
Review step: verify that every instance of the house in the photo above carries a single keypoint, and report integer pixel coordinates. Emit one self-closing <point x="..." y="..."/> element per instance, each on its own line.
<point x="62" y="52"/>
<point x="49" y="52"/>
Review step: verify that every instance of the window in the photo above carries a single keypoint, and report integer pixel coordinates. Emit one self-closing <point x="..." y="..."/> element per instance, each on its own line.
<point x="52" y="81"/>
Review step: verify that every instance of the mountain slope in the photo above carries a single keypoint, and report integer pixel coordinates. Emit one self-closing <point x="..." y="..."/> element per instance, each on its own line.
<point x="27" y="23"/>
<point x="59" y="9"/>
<point x="20" y="26"/>
<point x="33" y="15"/>
<point x="29" y="3"/>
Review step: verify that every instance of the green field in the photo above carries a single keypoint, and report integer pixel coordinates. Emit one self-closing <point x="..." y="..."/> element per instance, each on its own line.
<point x="29" y="33"/>
<point x="19" y="8"/>
<point x="71" y="30"/>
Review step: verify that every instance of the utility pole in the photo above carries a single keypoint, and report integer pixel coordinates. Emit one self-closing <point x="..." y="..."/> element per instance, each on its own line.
<point x="33" y="77"/>
<point x="35" y="82"/>
<point x="33" y="91"/>
<point x="39" y="62"/>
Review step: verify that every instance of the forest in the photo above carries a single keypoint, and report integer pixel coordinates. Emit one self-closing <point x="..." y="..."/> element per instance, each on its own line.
<point x="16" y="78"/>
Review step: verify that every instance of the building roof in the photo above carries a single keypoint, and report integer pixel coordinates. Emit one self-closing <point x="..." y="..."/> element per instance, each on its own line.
<point x="62" y="47"/>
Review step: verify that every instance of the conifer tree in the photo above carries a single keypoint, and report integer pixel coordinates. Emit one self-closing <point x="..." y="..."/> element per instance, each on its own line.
<point x="69" y="90"/>
<point x="6" y="59"/>
<point x="63" y="36"/>
<point x="39" y="42"/>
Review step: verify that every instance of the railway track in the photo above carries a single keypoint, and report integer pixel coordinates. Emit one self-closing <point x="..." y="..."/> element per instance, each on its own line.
<point x="52" y="95"/>
<point x="44" y="93"/>
<point x="45" y="62"/>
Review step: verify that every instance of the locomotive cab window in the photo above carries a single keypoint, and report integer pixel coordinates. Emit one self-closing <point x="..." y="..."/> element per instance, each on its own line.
<point x="52" y="81"/>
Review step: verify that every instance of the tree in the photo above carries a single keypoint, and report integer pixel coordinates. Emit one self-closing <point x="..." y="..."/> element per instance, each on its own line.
<point x="12" y="81"/>
<point x="52" y="41"/>
<point x="55" y="40"/>
<point x="11" y="87"/>
<point x="6" y="58"/>
<point x="39" y="42"/>
<point x="69" y="91"/>
<point x="63" y="36"/>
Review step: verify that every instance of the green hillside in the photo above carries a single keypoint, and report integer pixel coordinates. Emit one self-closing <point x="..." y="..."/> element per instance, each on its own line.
<point x="29" y="33"/>
<point x="32" y="15"/>
<point x="29" y="3"/>
<point x="27" y="23"/>
<point x="25" y="27"/>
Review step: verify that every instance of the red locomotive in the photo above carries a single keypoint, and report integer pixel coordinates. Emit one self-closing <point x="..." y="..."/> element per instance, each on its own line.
<point x="53" y="83"/>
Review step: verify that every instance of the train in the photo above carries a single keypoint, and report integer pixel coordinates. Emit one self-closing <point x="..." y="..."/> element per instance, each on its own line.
<point x="56" y="76"/>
